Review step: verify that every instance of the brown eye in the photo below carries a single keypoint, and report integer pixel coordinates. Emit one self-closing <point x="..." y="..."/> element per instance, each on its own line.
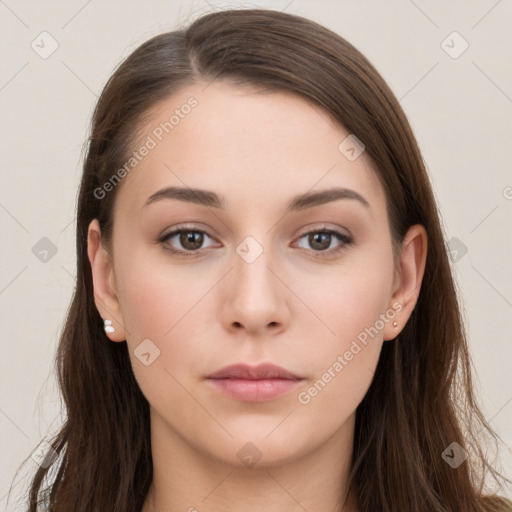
<point x="320" y="240"/>
<point x="185" y="241"/>
<point x="191" y="240"/>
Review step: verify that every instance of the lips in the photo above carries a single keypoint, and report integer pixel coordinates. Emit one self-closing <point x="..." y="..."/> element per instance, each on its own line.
<point x="260" y="383"/>
<point x="259" y="372"/>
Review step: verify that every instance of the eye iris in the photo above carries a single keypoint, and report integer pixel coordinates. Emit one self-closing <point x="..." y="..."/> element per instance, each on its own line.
<point x="194" y="237"/>
<point x="323" y="239"/>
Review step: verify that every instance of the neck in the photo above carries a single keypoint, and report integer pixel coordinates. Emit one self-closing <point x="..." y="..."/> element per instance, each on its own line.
<point x="192" y="480"/>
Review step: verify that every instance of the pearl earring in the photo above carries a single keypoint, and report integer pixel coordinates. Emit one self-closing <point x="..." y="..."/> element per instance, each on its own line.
<point x="108" y="326"/>
<point x="395" y="324"/>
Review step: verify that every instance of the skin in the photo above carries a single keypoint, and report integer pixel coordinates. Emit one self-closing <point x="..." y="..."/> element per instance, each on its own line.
<point x="290" y="306"/>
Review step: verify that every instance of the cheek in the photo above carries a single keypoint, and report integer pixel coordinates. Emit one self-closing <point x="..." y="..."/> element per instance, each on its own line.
<point x="160" y="303"/>
<point x="164" y="309"/>
<point x="156" y="295"/>
<point x="345" y="303"/>
<point x="349" y="310"/>
<point x="333" y="397"/>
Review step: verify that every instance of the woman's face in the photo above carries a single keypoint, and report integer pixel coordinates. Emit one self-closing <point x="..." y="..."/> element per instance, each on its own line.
<point x="259" y="274"/>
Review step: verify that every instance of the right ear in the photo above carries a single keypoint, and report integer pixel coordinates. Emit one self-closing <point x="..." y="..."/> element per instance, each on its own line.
<point x="103" y="278"/>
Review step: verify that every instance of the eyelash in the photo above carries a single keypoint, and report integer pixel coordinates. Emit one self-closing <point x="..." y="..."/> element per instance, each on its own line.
<point x="346" y="241"/>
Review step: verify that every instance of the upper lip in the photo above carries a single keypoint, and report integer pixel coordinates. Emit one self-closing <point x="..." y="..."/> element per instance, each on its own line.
<point x="261" y="371"/>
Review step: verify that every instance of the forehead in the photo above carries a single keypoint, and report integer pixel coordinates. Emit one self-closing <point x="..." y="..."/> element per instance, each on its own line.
<point x="255" y="148"/>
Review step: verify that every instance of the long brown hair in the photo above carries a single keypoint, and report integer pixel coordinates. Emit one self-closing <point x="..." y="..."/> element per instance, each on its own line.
<point x="421" y="399"/>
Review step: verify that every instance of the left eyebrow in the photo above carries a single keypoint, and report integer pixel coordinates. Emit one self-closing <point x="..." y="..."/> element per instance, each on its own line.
<point x="214" y="200"/>
<point x="310" y="199"/>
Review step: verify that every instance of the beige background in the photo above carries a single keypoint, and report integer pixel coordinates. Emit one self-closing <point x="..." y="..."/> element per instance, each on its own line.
<point x="460" y="109"/>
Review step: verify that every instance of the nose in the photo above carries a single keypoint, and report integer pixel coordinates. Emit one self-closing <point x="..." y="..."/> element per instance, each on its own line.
<point x="256" y="298"/>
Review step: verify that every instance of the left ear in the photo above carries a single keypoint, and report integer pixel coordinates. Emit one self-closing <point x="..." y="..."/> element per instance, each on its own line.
<point x="413" y="257"/>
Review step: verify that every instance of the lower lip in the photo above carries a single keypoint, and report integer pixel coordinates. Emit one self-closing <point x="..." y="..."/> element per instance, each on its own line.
<point x="254" y="390"/>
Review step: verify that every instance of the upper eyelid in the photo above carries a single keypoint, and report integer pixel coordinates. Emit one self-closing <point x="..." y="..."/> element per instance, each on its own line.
<point x="178" y="229"/>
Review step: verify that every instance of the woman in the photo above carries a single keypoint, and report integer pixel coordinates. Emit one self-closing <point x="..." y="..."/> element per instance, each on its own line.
<point x="265" y="316"/>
